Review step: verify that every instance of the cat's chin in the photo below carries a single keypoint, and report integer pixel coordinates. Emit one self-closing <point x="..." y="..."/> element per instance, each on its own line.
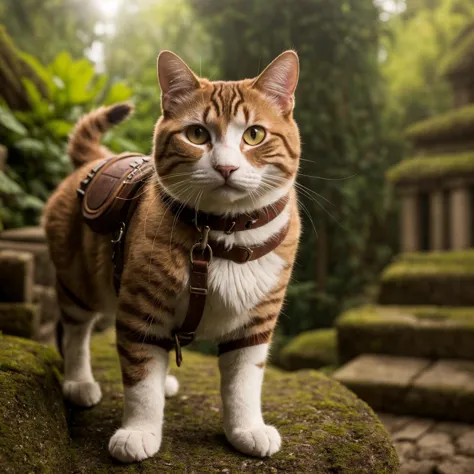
<point x="229" y="193"/>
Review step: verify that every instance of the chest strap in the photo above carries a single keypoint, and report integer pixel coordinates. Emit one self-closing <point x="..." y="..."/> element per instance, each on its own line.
<point x="201" y="255"/>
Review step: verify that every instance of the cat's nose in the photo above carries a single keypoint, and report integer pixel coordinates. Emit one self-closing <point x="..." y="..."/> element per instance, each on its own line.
<point x="226" y="171"/>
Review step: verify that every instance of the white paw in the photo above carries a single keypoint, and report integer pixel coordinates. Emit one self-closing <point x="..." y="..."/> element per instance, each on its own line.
<point x="84" y="394"/>
<point x="134" y="445"/>
<point x="171" y="386"/>
<point x="261" y="441"/>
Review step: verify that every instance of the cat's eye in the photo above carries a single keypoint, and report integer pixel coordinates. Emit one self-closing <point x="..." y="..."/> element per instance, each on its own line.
<point x="254" y="135"/>
<point x="197" y="134"/>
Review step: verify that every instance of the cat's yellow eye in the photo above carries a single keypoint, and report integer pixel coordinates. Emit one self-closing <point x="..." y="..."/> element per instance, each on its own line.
<point x="254" y="135"/>
<point x="197" y="134"/>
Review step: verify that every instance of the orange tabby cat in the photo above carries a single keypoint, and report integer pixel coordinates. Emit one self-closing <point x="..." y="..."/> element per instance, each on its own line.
<point x="225" y="148"/>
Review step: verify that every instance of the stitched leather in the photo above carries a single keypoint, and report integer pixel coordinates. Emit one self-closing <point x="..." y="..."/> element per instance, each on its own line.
<point x="229" y="224"/>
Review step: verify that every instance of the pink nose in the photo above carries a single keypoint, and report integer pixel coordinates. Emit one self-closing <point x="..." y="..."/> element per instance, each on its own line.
<point x="226" y="171"/>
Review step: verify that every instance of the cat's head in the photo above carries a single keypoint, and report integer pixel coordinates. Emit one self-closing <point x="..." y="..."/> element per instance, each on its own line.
<point x="227" y="146"/>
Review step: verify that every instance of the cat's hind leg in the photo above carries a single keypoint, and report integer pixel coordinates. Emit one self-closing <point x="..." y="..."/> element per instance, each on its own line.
<point x="171" y="386"/>
<point x="79" y="385"/>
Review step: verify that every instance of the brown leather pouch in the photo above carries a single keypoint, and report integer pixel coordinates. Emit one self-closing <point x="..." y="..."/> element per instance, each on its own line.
<point x="109" y="189"/>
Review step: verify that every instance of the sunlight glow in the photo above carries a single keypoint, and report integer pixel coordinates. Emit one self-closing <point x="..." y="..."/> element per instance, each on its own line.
<point x="109" y="7"/>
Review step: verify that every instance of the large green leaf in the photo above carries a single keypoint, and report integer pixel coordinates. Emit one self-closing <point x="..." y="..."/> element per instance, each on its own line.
<point x="8" y="186"/>
<point x="40" y="106"/>
<point x="30" y="146"/>
<point x="8" y="121"/>
<point x="40" y="70"/>
<point x="59" y="128"/>
<point x="31" y="202"/>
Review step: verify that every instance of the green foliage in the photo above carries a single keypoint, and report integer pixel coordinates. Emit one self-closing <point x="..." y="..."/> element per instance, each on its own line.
<point x="36" y="138"/>
<point x="142" y="30"/>
<point x="43" y="28"/>
<point x="415" y="47"/>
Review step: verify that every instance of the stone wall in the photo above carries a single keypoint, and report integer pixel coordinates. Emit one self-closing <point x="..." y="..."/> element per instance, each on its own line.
<point x="28" y="306"/>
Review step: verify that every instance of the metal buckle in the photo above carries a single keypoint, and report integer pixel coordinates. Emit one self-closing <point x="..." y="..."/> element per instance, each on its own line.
<point x="121" y="230"/>
<point x="250" y="223"/>
<point x="197" y="291"/>
<point x="249" y="253"/>
<point x="230" y="230"/>
<point x="181" y="338"/>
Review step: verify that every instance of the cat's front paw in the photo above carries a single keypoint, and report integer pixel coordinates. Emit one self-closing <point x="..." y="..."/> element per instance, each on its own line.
<point x="261" y="441"/>
<point x="84" y="394"/>
<point x="134" y="445"/>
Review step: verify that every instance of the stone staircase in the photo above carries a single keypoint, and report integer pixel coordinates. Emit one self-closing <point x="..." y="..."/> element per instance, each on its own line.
<point x="413" y="353"/>
<point x="28" y="305"/>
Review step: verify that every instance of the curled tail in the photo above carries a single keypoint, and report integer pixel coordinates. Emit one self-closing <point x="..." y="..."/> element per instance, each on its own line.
<point x="84" y="142"/>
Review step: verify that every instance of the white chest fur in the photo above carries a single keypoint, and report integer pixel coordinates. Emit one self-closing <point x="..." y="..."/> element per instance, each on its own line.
<point x="235" y="289"/>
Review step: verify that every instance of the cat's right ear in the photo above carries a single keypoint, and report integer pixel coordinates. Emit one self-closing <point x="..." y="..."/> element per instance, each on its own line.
<point x="175" y="78"/>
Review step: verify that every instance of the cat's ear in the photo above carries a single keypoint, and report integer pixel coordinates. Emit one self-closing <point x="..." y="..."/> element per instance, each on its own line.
<point x="175" y="77"/>
<point x="279" y="80"/>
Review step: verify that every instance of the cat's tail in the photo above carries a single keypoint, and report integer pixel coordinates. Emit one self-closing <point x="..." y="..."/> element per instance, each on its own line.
<point x="84" y="142"/>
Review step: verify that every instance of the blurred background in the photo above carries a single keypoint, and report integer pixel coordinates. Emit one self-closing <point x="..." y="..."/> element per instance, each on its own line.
<point x="368" y="71"/>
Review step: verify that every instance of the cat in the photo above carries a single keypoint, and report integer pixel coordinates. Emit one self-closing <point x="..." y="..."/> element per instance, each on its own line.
<point x="224" y="148"/>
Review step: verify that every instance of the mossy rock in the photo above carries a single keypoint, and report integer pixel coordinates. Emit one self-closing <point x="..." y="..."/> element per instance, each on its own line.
<point x="310" y="350"/>
<point x="413" y="331"/>
<point x="453" y="126"/>
<point x="325" y="428"/>
<point x="432" y="278"/>
<point x="429" y="168"/>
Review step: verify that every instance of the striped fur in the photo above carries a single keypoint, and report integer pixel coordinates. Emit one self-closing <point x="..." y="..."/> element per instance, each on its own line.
<point x="244" y="300"/>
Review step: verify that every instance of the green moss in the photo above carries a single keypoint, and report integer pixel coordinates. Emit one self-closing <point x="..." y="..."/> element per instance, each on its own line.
<point x="397" y="315"/>
<point x="430" y="264"/>
<point x="461" y="59"/>
<point x="451" y="126"/>
<point x="325" y="428"/>
<point x="431" y="167"/>
<point x="33" y="427"/>
<point x="311" y="350"/>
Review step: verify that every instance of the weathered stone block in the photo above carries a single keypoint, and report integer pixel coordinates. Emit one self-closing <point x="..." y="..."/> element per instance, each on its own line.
<point x="16" y="277"/>
<point x="444" y="391"/>
<point x="418" y="331"/>
<point x="33" y="240"/>
<point x="324" y="427"/>
<point x="435" y="446"/>
<point x="413" y="430"/>
<point x="381" y="380"/>
<point x="19" y="319"/>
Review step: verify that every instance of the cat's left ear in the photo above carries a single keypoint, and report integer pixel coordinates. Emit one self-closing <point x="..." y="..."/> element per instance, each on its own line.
<point x="279" y="80"/>
<point x="176" y="79"/>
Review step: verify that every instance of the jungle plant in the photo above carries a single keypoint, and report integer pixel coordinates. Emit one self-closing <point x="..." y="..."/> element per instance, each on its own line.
<point x="35" y="127"/>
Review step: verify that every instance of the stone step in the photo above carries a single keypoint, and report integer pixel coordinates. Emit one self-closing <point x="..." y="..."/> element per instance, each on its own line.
<point x="31" y="240"/>
<point x="415" y="331"/>
<point x="442" y="389"/>
<point x="434" y="278"/>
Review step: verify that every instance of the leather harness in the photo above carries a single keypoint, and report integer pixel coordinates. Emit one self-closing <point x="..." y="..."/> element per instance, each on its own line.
<point x="109" y="196"/>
